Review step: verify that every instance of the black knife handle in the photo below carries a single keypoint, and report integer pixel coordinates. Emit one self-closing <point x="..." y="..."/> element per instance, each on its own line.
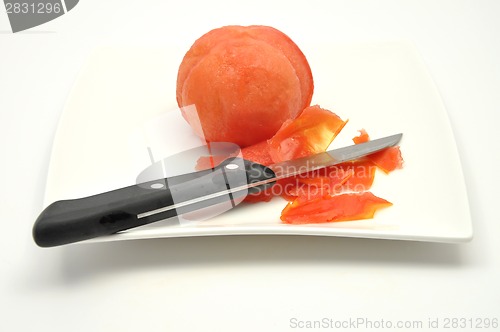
<point x="75" y="220"/>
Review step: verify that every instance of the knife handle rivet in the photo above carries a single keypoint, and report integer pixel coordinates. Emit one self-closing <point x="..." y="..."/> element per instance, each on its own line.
<point x="232" y="166"/>
<point x="157" y="185"/>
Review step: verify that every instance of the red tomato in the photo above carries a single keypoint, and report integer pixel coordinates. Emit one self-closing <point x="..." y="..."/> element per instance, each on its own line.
<point x="363" y="174"/>
<point x="244" y="82"/>
<point x="333" y="208"/>
<point x="312" y="132"/>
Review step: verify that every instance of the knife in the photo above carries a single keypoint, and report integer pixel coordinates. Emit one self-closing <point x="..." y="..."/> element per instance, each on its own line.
<point x="74" y="220"/>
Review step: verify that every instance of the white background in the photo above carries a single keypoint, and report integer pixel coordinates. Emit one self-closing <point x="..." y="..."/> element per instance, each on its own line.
<point x="254" y="283"/>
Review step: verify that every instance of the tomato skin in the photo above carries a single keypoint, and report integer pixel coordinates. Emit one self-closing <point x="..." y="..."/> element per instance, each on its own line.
<point x="263" y="196"/>
<point x="343" y="183"/>
<point x="355" y="176"/>
<point x="362" y="137"/>
<point x="310" y="133"/>
<point x="344" y="207"/>
<point x="388" y="159"/>
<point x="324" y="181"/>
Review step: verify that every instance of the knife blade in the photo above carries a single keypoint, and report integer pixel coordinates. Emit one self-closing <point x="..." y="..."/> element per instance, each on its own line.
<point x="74" y="220"/>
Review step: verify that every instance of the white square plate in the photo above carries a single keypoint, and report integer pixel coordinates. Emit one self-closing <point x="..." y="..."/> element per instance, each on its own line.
<point x="124" y="103"/>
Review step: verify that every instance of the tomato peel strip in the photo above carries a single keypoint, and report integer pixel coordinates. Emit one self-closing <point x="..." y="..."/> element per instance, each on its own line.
<point x="387" y="160"/>
<point x="344" y="207"/>
<point x="310" y="133"/>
